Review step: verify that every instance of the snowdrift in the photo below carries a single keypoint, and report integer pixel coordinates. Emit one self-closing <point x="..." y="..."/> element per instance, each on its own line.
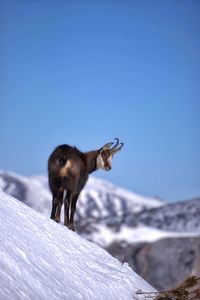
<point x="40" y="259"/>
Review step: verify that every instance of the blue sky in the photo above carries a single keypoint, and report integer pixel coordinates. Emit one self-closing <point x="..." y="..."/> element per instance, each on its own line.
<point x="85" y="72"/>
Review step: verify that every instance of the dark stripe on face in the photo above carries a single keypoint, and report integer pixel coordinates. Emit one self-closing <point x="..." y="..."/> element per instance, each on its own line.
<point x="105" y="154"/>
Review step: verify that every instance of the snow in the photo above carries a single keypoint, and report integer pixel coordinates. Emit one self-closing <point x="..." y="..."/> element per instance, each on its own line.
<point x="102" y="205"/>
<point x="98" y="189"/>
<point x="111" y="200"/>
<point x="40" y="259"/>
<point x="99" y="199"/>
<point x="36" y="188"/>
<point x="104" y="237"/>
<point x="103" y="185"/>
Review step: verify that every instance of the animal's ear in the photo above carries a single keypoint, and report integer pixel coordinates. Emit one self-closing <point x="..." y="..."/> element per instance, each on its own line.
<point x="106" y="146"/>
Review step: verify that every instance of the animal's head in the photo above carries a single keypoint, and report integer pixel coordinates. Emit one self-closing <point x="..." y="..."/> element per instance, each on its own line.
<point x="106" y="153"/>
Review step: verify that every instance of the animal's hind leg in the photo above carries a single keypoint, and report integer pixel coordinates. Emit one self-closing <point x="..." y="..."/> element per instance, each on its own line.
<point x="59" y="206"/>
<point x="54" y="207"/>
<point x="58" y="210"/>
<point x="66" y="209"/>
<point x="73" y="202"/>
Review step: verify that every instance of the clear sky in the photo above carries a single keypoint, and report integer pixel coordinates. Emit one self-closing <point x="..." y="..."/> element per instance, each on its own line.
<point x="84" y="72"/>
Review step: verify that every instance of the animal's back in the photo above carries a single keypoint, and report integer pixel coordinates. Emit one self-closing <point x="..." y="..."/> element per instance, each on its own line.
<point x="66" y="167"/>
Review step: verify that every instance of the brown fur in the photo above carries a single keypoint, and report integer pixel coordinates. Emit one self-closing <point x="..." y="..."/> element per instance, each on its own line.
<point x="68" y="170"/>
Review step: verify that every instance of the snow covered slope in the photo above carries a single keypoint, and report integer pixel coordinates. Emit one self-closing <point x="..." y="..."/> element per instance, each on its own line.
<point x="32" y="191"/>
<point x="40" y="259"/>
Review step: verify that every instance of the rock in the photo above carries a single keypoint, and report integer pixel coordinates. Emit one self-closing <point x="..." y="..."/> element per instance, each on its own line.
<point x="164" y="263"/>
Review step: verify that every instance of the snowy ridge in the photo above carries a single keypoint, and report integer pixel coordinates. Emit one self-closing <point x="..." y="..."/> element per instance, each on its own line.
<point x="110" y="199"/>
<point x="182" y="216"/>
<point x="44" y="260"/>
<point x="104" y="236"/>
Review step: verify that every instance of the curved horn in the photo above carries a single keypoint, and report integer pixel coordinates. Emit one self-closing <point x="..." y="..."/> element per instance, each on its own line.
<point x="119" y="148"/>
<point x="114" y="147"/>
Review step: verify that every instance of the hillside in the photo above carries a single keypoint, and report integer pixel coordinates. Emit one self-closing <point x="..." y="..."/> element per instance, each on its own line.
<point x="44" y="260"/>
<point x="132" y="228"/>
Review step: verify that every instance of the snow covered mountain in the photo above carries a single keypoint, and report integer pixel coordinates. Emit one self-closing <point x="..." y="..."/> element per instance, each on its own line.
<point x="107" y="213"/>
<point x="132" y="228"/>
<point x="44" y="260"/>
<point x="98" y="200"/>
<point x="181" y="216"/>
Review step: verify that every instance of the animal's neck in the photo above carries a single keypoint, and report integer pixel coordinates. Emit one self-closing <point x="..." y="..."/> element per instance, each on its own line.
<point x="91" y="158"/>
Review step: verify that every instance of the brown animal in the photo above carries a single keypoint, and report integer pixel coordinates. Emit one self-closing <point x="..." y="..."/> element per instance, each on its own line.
<point x="68" y="170"/>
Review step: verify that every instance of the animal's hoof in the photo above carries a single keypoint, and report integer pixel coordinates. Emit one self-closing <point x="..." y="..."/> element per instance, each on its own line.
<point x="71" y="227"/>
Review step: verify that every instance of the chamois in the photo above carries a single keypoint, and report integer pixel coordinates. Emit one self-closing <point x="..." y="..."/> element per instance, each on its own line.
<point x="68" y="170"/>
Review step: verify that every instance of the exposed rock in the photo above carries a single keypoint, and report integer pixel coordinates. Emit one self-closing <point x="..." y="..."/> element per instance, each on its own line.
<point x="164" y="263"/>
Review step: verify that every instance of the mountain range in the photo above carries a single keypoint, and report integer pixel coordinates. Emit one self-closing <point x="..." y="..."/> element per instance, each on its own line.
<point x="151" y="235"/>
